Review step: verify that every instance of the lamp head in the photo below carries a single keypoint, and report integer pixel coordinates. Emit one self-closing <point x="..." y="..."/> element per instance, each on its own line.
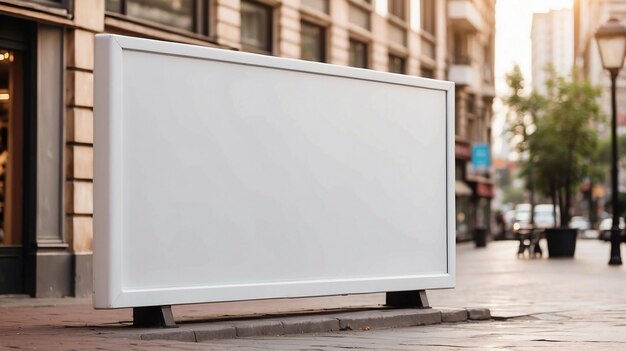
<point x="611" y="38"/>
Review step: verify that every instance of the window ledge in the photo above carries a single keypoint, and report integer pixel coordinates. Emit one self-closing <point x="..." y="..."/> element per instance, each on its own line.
<point x="428" y="62"/>
<point x="39" y="7"/>
<point x="360" y="32"/>
<point x="362" y="4"/>
<point x="398" y="50"/>
<point x="397" y="21"/>
<point x="255" y="50"/>
<point x="125" y="24"/>
<point x="427" y="35"/>
<point x="315" y="16"/>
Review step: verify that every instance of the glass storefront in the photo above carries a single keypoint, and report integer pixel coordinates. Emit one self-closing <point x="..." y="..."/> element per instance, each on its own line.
<point x="11" y="169"/>
<point x="11" y="132"/>
<point x="464" y="218"/>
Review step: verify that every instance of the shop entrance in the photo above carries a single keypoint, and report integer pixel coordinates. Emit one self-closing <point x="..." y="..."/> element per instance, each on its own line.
<point x="12" y="112"/>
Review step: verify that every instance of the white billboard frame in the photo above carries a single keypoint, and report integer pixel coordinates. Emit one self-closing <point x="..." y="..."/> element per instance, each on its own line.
<point x="119" y="70"/>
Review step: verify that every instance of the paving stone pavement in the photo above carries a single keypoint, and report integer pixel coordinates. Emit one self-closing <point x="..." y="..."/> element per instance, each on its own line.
<point x="575" y="304"/>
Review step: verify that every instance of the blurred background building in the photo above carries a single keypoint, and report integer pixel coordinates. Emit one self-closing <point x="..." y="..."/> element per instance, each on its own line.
<point x="588" y="16"/>
<point x="552" y="37"/>
<point x="470" y="47"/>
<point x="46" y="99"/>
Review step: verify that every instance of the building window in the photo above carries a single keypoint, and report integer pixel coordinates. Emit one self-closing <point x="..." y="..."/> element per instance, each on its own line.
<point x="428" y="25"/>
<point x="396" y="34"/>
<point x="54" y="3"/>
<point x="487" y="75"/>
<point x="429" y="48"/>
<point x="470" y="104"/>
<point x="312" y="42"/>
<point x="397" y="64"/>
<point x="319" y="5"/>
<point x="359" y="13"/>
<point x="188" y="15"/>
<point x="459" y="170"/>
<point x="428" y="16"/>
<point x="457" y="116"/>
<point x="397" y="8"/>
<point x="462" y="44"/>
<point x="358" y="54"/>
<point x="256" y="27"/>
<point x="427" y="72"/>
<point x="471" y="126"/>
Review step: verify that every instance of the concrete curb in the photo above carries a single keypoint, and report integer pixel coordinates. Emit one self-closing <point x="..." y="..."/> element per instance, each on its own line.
<point x="454" y="315"/>
<point x="320" y="323"/>
<point x="479" y="314"/>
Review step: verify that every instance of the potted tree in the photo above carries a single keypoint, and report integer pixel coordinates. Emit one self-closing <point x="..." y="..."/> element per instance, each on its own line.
<point x="524" y="111"/>
<point x="561" y="146"/>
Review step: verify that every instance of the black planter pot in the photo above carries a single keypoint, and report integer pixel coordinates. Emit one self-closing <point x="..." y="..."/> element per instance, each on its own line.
<point x="480" y="237"/>
<point x="561" y="242"/>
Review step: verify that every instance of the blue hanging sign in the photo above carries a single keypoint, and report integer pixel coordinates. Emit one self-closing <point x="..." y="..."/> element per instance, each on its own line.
<point x="481" y="158"/>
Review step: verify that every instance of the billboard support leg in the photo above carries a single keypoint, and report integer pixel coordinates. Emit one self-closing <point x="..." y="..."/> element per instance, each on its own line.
<point x="154" y="316"/>
<point x="413" y="298"/>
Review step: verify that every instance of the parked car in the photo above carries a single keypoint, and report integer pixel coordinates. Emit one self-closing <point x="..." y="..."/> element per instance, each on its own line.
<point x="544" y="216"/>
<point x="509" y="220"/>
<point x="579" y="222"/>
<point x="605" y="228"/>
<point x="521" y="220"/>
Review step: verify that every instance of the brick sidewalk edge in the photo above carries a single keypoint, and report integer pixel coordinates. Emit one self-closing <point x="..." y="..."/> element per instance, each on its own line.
<point x="362" y="320"/>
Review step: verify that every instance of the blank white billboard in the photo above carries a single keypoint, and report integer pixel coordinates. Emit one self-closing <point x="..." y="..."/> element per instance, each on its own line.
<point x="223" y="176"/>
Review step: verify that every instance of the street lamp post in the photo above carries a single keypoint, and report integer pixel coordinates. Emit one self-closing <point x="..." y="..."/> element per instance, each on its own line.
<point x="611" y="38"/>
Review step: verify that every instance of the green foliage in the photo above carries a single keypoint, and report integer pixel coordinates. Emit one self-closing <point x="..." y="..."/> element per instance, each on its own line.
<point x="601" y="166"/>
<point x="604" y="149"/>
<point x="512" y="195"/>
<point x="557" y="132"/>
<point x="600" y="162"/>
<point x="524" y="110"/>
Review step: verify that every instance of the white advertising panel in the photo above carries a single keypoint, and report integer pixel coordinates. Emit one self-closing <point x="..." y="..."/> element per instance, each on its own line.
<point x="223" y="176"/>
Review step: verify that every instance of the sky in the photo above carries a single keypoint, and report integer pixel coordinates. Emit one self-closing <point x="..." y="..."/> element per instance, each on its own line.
<point x="513" y="23"/>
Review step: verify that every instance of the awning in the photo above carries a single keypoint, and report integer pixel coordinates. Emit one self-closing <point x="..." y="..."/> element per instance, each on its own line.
<point x="484" y="190"/>
<point x="461" y="189"/>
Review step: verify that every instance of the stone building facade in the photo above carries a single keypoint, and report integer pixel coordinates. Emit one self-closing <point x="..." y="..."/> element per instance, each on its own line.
<point x="589" y="15"/>
<point x="552" y="38"/>
<point x="46" y="98"/>
<point x="470" y="64"/>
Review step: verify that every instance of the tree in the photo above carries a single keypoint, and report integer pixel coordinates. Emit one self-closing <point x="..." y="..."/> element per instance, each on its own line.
<point x="525" y="109"/>
<point x="603" y="154"/>
<point x="512" y="194"/>
<point x="599" y="168"/>
<point x="565" y="140"/>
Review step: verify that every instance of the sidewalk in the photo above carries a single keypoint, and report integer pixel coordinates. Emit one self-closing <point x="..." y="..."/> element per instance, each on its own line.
<point x="563" y="304"/>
